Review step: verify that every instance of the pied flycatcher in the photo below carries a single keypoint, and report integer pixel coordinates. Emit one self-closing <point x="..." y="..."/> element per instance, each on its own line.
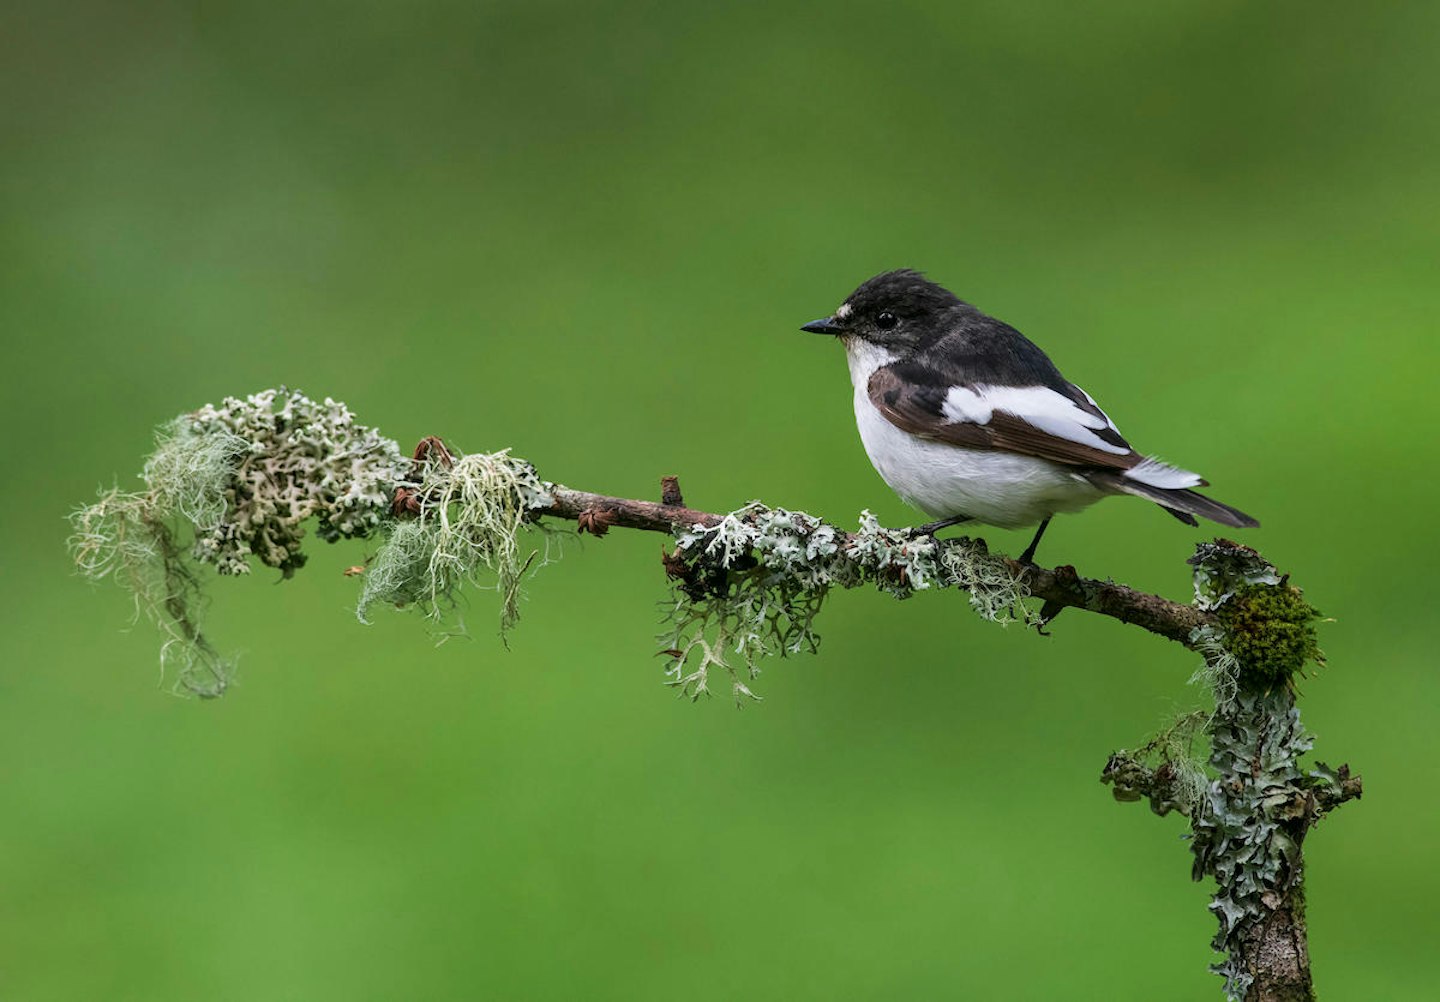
<point x="966" y="419"/>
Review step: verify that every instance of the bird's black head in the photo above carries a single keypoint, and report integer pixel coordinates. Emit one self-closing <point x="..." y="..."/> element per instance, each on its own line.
<point x="897" y="309"/>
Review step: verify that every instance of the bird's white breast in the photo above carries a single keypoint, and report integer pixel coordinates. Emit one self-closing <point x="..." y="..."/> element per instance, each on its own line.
<point x="943" y="480"/>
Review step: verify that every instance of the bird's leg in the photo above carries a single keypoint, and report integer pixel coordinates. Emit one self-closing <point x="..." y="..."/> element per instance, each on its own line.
<point x="1028" y="557"/>
<point x="930" y="528"/>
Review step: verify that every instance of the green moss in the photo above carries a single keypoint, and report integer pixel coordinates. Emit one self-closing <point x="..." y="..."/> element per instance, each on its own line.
<point x="1270" y="631"/>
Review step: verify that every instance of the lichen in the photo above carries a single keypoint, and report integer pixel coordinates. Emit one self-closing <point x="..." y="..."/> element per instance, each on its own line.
<point x="1244" y="833"/>
<point x="125" y="537"/>
<point x="189" y="473"/>
<point x="1165" y="770"/>
<point x="1222" y="567"/>
<point x="304" y="459"/>
<point x="1246" y="827"/>
<point x="239" y="479"/>
<point x="752" y="585"/>
<point x="1219" y="671"/>
<point x="472" y="515"/>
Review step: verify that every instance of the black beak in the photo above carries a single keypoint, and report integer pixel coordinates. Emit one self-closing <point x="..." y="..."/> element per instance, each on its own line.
<point x="825" y="326"/>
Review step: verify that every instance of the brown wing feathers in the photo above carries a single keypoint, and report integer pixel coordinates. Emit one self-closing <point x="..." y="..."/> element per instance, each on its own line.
<point x="919" y="409"/>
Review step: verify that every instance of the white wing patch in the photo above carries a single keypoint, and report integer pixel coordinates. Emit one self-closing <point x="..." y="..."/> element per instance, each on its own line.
<point x="966" y="406"/>
<point x="1153" y="472"/>
<point x="1039" y="406"/>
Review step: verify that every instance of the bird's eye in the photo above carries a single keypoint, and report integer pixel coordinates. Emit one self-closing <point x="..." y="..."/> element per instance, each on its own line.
<point x="886" y="321"/>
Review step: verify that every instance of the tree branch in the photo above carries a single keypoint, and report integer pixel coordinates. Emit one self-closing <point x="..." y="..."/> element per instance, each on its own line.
<point x="1059" y="588"/>
<point x="248" y="474"/>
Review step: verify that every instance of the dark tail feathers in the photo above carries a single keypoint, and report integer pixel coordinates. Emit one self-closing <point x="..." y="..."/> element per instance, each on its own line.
<point x="1183" y="503"/>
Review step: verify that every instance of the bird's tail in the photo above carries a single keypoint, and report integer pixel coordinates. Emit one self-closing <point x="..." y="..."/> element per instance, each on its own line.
<point x="1183" y="503"/>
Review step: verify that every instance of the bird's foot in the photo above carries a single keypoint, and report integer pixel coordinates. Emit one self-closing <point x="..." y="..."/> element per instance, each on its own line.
<point x="930" y="528"/>
<point x="1048" y="612"/>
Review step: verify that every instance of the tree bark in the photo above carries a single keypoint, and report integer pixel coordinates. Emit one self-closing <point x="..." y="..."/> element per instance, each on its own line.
<point x="1276" y="952"/>
<point x="1059" y="587"/>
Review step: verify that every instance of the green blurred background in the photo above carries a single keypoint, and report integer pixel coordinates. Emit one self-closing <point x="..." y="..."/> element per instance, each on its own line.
<point x="589" y="232"/>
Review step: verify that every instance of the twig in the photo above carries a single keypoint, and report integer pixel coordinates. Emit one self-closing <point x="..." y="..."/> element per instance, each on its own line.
<point x="1059" y="587"/>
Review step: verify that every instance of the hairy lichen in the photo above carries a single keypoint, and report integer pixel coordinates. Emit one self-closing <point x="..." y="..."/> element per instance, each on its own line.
<point x="1219" y="671"/>
<point x="189" y="473"/>
<point x="752" y="585"/>
<point x="1165" y="770"/>
<point x="241" y="478"/>
<point x="125" y="537"/>
<point x="471" y="515"/>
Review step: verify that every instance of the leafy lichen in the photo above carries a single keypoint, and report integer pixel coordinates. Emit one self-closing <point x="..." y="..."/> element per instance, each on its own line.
<point x="240" y="478"/>
<point x="1245" y="834"/>
<point x="751" y="586"/>
<point x="303" y="459"/>
<point x="1222" y="567"/>
<point x="1247" y="825"/>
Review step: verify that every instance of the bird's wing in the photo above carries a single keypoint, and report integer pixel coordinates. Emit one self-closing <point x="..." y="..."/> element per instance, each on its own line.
<point x="1064" y="426"/>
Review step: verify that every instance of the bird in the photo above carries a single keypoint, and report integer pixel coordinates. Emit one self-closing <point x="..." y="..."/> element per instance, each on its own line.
<point x="967" y="419"/>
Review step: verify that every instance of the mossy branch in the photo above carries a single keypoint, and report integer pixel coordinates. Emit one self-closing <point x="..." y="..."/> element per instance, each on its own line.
<point x="244" y="478"/>
<point x="1059" y="588"/>
<point x="1252" y="802"/>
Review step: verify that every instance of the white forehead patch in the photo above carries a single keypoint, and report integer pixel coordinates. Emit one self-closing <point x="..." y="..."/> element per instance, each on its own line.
<point x="843" y="311"/>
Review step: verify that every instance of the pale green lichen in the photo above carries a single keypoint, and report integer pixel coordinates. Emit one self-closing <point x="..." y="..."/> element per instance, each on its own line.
<point x="1219" y="671"/>
<point x="305" y="459"/>
<point x="1166" y="769"/>
<point x="125" y="537"/>
<point x="190" y="471"/>
<point x="241" y="478"/>
<point x="1244" y="833"/>
<point x="1222" y="567"/>
<point x="751" y="586"/>
<point x="471" y="517"/>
